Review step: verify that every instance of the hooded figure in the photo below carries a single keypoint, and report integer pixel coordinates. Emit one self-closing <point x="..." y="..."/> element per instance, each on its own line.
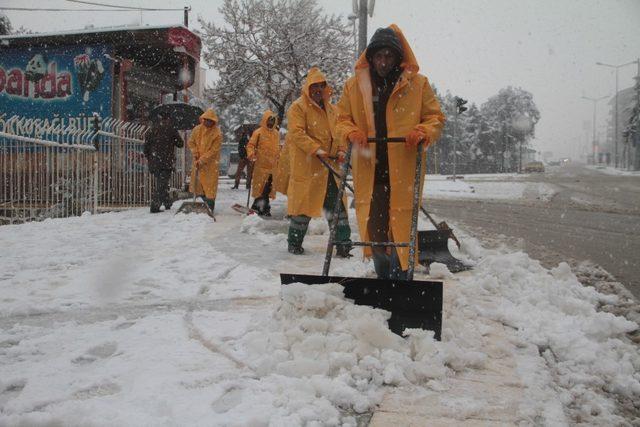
<point x="263" y="149"/>
<point x="387" y="98"/>
<point x="312" y="189"/>
<point x="205" y="143"/>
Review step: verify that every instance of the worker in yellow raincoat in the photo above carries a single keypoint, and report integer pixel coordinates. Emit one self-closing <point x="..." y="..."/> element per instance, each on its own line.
<point x="312" y="188"/>
<point x="205" y="143"/>
<point x="262" y="149"/>
<point x="387" y="98"/>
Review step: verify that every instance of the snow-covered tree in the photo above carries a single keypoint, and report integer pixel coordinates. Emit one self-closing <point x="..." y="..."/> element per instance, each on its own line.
<point x="268" y="47"/>
<point x="503" y="113"/>
<point x="5" y="25"/>
<point x="248" y="109"/>
<point x="6" y="28"/>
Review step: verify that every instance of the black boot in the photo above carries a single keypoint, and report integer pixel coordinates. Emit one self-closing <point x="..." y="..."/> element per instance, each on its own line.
<point x="296" y="250"/>
<point x="342" y="251"/>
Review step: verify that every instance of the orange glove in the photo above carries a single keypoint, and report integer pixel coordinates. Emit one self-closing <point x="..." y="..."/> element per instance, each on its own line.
<point x="414" y="137"/>
<point x="358" y="138"/>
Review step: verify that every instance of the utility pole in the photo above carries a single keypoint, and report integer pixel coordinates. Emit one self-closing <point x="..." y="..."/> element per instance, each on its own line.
<point x="362" y="26"/>
<point x="594" y="144"/>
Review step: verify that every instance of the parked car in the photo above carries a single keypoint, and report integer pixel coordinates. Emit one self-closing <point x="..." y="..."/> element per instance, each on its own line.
<point x="534" y="167"/>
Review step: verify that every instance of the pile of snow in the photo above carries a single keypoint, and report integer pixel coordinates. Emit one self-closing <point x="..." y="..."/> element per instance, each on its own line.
<point x="608" y="170"/>
<point x="589" y="362"/>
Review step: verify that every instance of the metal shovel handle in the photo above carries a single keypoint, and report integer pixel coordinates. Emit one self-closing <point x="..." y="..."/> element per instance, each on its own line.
<point x="195" y="182"/>
<point x="387" y="140"/>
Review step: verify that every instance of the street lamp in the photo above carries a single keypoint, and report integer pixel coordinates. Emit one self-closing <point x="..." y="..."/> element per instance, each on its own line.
<point x="352" y="17"/>
<point x="615" y="124"/>
<point x="594" y="147"/>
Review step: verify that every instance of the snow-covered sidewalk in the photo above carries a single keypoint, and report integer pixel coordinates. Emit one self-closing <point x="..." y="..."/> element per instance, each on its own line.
<point x="137" y="319"/>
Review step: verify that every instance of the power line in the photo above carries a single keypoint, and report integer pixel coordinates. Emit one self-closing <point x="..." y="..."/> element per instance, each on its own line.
<point x="28" y="9"/>
<point x="121" y="7"/>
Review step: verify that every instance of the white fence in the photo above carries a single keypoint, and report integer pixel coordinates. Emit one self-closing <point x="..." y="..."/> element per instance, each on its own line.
<point x="51" y="171"/>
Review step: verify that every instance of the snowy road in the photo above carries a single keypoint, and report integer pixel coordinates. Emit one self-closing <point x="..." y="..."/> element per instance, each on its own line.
<point x="590" y="216"/>
<point x="133" y="319"/>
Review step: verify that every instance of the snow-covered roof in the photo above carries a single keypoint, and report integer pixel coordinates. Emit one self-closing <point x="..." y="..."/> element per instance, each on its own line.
<point x="84" y="31"/>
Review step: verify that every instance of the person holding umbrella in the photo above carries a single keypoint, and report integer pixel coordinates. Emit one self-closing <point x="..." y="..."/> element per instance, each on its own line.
<point x="159" y="149"/>
<point x="205" y="144"/>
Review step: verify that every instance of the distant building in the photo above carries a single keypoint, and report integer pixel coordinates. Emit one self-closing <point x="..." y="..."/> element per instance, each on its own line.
<point x="627" y="99"/>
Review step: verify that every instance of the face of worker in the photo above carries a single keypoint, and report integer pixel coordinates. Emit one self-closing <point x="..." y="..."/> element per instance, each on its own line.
<point x="384" y="60"/>
<point x="208" y="122"/>
<point x="271" y="122"/>
<point x="316" y="90"/>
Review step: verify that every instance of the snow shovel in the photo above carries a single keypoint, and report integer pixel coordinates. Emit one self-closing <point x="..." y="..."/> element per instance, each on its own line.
<point x="196" y="206"/>
<point x="412" y="303"/>
<point x="432" y="244"/>
<point x="246" y="209"/>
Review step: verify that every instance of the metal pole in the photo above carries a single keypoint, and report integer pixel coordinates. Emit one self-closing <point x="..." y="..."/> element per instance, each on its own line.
<point x="520" y="159"/>
<point x="414" y="212"/>
<point x="333" y="226"/>
<point x="362" y="26"/>
<point x="615" y="125"/>
<point x="593" y="141"/>
<point x="186" y="16"/>
<point x="455" y="151"/>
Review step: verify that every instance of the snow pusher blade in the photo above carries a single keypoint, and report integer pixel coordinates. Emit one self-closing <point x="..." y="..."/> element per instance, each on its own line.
<point x="412" y="303"/>
<point x="432" y="246"/>
<point x="243" y="209"/>
<point x="195" y="206"/>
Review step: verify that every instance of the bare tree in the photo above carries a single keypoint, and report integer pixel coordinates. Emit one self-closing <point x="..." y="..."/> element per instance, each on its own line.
<point x="268" y="47"/>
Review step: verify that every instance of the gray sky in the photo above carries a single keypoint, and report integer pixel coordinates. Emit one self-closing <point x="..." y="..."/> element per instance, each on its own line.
<point x="471" y="47"/>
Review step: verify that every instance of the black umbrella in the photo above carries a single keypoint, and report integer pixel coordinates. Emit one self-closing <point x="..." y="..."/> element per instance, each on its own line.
<point x="183" y="116"/>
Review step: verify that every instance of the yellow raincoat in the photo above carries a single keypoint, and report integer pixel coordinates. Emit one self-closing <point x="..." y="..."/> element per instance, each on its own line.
<point x="281" y="178"/>
<point x="205" y="144"/>
<point x="412" y="105"/>
<point x="309" y="129"/>
<point x="264" y="145"/>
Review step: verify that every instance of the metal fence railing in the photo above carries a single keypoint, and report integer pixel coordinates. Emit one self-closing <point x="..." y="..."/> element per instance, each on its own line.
<point x="49" y="171"/>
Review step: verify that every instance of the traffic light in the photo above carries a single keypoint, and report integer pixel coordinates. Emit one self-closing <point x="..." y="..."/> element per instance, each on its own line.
<point x="460" y="105"/>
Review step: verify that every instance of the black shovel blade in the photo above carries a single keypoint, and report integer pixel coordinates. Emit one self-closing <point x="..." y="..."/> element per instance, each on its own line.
<point x="413" y="304"/>
<point x="432" y="247"/>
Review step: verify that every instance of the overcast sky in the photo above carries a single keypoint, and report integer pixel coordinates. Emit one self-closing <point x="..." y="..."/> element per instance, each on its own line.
<point x="472" y="48"/>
